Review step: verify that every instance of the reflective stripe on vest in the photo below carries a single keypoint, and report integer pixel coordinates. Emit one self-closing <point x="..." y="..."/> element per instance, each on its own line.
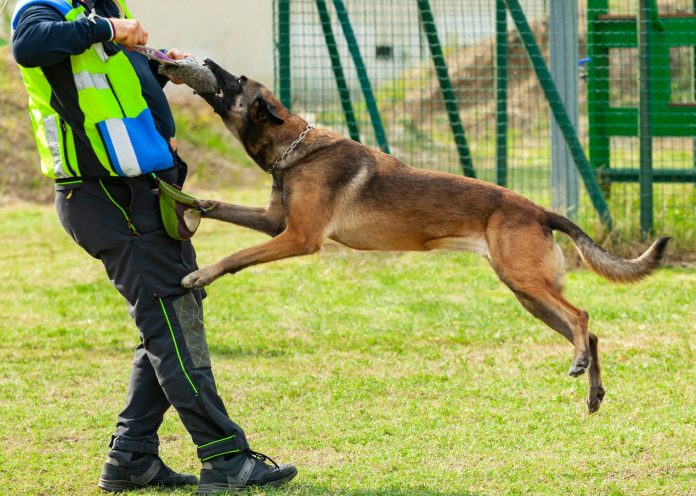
<point x="84" y="80"/>
<point x="118" y="126"/>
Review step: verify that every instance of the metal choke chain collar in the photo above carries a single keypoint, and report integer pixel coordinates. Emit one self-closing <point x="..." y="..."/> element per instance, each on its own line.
<point x="289" y="149"/>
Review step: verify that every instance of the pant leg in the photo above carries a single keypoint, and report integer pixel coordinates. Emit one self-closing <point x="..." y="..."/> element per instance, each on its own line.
<point x="138" y="423"/>
<point x="146" y="266"/>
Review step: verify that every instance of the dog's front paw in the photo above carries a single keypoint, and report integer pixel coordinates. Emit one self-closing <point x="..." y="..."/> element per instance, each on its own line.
<point x="206" y="205"/>
<point x="199" y="278"/>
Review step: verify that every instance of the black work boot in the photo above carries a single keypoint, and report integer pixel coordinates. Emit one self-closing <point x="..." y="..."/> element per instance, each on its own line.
<point x="243" y="470"/>
<point x="125" y="471"/>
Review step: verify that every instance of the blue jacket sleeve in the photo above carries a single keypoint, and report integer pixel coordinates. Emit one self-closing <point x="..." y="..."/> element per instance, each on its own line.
<point x="44" y="38"/>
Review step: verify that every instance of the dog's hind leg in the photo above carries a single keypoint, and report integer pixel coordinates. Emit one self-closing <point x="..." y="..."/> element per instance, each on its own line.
<point x="563" y="318"/>
<point x="557" y="314"/>
<point x="595" y="394"/>
<point x="527" y="260"/>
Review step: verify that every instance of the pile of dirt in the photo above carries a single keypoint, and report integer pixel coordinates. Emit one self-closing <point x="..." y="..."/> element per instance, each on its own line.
<point x="19" y="161"/>
<point x="472" y="72"/>
<point x="21" y="177"/>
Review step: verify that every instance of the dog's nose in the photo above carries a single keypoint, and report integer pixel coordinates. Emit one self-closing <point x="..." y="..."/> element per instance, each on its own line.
<point x="225" y="79"/>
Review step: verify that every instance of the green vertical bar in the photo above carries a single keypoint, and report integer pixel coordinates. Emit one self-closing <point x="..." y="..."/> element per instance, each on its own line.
<point x="365" y="85"/>
<point x="559" y="112"/>
<point x="448" y="96"/>
<point x="285" y="93"/>
<point x="693" y="83"/>
<point x="501" y="68"/>
<point x="645" y="35"/>
<point x="343" y="91"/>
<point x="598" y="92"/>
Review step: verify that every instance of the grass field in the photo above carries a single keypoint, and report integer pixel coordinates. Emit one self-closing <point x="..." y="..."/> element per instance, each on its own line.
<point x="377" y="374"/>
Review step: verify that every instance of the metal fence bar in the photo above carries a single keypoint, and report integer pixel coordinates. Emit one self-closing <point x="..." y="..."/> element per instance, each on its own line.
<point x="501" y="88"/>
<point x="661" y="175"/>
<point x="598" y="93"/>
<point x="450" y="100"/>
<point x="284" y="84"/>
<point x="365" y="85"/>
<point x="559" y="112"/>
<point x="343" y="91"/>
<point x="645" y="25"/>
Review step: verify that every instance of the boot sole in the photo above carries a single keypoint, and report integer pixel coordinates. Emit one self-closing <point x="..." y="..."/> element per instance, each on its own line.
<point x="116" y="486"/>
<point x="120" y="486"/>
<point x="217" y="487"/>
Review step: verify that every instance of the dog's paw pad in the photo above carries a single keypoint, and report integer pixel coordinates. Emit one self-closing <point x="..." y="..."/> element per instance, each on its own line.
<point x="195" y="279"/>
<point x="577" y="370"/>
<point x="594" y="401"/>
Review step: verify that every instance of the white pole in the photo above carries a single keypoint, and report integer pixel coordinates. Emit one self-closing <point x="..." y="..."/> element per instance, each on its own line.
<point x="563" y="38"/>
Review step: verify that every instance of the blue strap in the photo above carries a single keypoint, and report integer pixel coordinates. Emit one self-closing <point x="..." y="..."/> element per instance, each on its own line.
<point x="62" y="6"/>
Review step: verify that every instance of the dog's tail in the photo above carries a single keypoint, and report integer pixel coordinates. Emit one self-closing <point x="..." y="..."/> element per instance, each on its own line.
<point x="605" y="264"/>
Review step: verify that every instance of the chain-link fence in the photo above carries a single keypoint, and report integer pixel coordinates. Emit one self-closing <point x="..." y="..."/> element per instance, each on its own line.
<point x="448" y="85"/>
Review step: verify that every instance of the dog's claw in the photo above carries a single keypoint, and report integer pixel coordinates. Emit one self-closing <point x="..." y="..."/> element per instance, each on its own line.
<point x="576" y="370"/>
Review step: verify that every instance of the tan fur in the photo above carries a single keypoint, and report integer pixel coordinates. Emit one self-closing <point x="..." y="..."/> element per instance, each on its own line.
<point x="336" y="188"/>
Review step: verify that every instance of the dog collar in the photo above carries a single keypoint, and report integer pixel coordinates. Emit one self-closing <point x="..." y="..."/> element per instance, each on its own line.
<point x="289" y="149"/>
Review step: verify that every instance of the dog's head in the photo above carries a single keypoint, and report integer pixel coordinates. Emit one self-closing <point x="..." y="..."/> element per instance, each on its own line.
<point x="242" y="102"/>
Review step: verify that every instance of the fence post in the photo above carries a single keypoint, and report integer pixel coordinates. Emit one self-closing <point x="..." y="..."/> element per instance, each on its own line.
<point x="343" y="91"/>
<point x="559" y="112"/>
<point x="354" y="49"/>
<point x="284" y="83"/>
<point x="645" y="21"/>
<point x="598" y="99"/>
<point x="501" y="79"/>
<point x="564" y="54"/>
<point x="448" y="97"/>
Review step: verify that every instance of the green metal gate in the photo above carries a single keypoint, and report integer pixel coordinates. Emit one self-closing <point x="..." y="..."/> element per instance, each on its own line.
<point x="464" y="86"/>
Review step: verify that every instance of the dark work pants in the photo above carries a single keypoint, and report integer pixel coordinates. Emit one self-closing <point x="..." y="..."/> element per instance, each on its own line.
<point x="172" y="364"/>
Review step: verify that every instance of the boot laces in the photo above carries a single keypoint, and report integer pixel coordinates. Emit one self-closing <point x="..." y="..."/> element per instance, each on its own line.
<point x="263" y="458"/>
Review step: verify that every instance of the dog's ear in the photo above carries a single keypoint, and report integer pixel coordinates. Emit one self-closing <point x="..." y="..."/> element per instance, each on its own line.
<point x="263" y="110"/>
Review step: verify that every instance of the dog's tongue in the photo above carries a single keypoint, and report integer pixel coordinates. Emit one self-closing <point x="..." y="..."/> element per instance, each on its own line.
<point x="193" y="74"/>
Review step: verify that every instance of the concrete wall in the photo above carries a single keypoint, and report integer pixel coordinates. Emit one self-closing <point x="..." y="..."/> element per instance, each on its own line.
<point x="238" y="34"/>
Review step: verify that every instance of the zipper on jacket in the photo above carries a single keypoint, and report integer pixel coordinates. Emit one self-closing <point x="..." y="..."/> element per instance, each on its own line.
<point x="113" y="92"/>
<point x="64" y="134"/>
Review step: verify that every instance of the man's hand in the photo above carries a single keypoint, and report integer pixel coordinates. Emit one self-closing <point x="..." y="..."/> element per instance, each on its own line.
<point x="128" y="32"/>
<point x="176" y="54"/>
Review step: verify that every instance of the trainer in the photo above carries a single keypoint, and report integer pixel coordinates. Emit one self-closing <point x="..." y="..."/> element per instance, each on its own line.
<point x="103" y="126"/>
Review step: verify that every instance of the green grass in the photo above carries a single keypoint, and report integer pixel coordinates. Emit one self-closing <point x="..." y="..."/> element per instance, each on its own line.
<point x="377" y="374"/>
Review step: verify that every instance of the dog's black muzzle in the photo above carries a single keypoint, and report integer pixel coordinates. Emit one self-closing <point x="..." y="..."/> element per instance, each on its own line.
<point x="231" y="87"/>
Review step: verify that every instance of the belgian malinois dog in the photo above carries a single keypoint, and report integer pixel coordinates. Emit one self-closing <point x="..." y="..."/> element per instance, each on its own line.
<point x="327" y="186"/>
